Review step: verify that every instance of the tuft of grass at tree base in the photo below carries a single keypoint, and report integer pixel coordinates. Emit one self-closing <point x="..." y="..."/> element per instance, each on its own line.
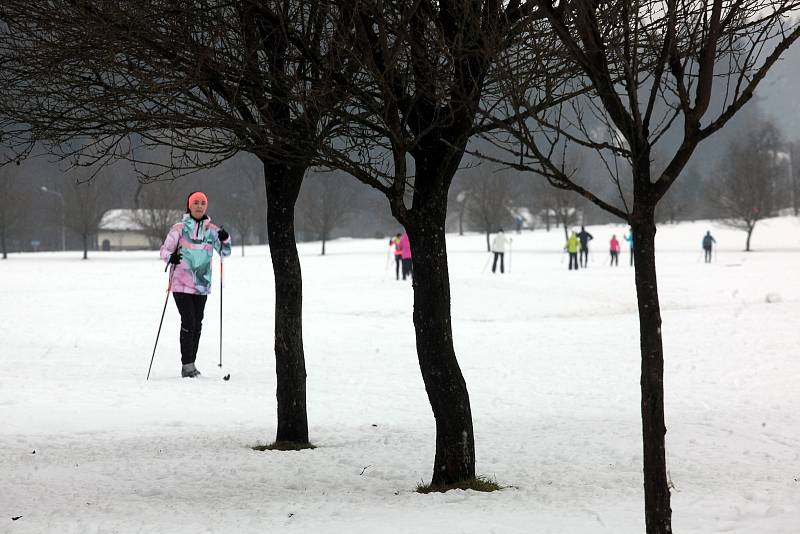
<point x="477" y="484"/>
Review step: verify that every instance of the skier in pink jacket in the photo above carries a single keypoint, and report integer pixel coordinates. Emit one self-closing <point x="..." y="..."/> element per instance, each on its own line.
<point x="405" y="251"/>
<point x="189" y="246"/>
<point x="614" y="250"/>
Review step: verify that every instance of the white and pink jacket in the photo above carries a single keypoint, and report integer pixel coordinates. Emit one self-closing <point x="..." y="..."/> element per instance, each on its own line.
<point x="197" y="241"/>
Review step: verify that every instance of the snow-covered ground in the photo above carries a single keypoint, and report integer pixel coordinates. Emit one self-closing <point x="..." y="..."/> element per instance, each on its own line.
<point x="550" y="357"/>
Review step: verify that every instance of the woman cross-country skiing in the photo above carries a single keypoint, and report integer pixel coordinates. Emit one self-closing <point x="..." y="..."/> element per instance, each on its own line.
<point x="189" y="246"/>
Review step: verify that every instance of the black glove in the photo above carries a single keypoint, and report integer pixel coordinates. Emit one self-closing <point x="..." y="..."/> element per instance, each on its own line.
<point x="223" y="235"/>
<point x="176" y="257"/>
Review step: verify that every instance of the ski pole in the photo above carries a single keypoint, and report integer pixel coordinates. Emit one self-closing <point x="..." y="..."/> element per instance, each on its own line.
<point x="485" y="265"/>
<point x="221" y="285"/>
<point x="161" y="322"/>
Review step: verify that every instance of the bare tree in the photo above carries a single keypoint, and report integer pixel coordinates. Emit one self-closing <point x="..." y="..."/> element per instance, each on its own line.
<point x="558" y="206"/>
<point x="11" y="204"/>
<point x="743" y="187"/>
<point x="325" y="203"/>
<point x="84" y="207"/>
<point x="793" y="151"/>
<point x="155" y="208"/>
<point x="648" y="67"/>
<point x="244" y="215"/>
<point x="488" y="200"/>
<point x="457" y="202"/>
<point x="411" y="109"/>
<point x="240" y="188"/>
<point x="207" y="79"/>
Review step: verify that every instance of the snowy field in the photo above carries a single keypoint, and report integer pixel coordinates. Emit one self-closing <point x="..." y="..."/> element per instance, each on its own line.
<point x="550" y="357"/>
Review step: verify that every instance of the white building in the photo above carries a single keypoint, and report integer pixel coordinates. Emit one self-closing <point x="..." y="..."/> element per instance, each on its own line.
<point x="121" y="230"/>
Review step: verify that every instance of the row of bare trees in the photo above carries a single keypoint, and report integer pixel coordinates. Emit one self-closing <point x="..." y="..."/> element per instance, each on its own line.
<point x="392" y="93"/>
<point x="76" y="205"/>
<point x="753" y="180"/>
<point x="32" y="205"/>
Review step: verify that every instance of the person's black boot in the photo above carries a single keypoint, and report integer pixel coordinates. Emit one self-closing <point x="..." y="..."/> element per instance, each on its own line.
<point x="188" y="370"/>
<point x="188" y="353"/>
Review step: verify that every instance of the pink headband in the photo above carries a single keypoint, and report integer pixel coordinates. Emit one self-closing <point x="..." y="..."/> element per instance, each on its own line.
<point x="197" y="195"/>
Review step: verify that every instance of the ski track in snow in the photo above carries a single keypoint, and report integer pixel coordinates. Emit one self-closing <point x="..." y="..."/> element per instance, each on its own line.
<point x="550" y="358"/>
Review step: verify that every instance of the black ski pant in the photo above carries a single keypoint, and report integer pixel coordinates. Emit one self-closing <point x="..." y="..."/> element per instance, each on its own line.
<point x="631" y="257"/>
<point x="573" y="260"/>
<point x="398" y="263"/>
<point x="500" y="255"/>
<point x="191" y="308"/>
<point x="708" y="254"/>
<point x="614" y="258"/>
<point x="584" y="257"/>
<point x="407" y="268"/>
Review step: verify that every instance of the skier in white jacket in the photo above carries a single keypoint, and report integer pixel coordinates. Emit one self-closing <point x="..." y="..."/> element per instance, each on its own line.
<point x="499" y="244"/>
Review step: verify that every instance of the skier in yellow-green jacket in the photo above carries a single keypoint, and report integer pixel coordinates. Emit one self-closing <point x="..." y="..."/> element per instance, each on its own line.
<point x="573" y="246"/>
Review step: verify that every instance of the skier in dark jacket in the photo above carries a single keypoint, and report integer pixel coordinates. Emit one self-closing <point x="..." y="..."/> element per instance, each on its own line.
<point x="584" y="238"/>
<point x="708" y="243"/>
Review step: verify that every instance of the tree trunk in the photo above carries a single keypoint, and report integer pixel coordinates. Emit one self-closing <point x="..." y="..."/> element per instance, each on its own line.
<point x="323" y="246"/>
<point x="750" y="229"/>
<point x="461" y="222"/>
<point x="242" y="236"/>
<point x="488" y="247"/>
<point x="444" y="383"/>
<point x="85" y="247"/>
<point x="658" y="514"/>
<point x="283" y="185"/>
<point x="3" y="242"/>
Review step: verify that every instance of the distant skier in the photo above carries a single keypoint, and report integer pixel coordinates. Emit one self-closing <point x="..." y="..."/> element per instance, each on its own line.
<point x="629" y="238"/>
<point x="708" y="243"/>
<point x="398" y="254"/>
<point x="405" y="252"/>
<point x="572" y="247"/>
<point x="189" y="246"/>
<point x="614" y="250"/>
<point x="584" y="238"/>
<point x="499" y="249"/>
